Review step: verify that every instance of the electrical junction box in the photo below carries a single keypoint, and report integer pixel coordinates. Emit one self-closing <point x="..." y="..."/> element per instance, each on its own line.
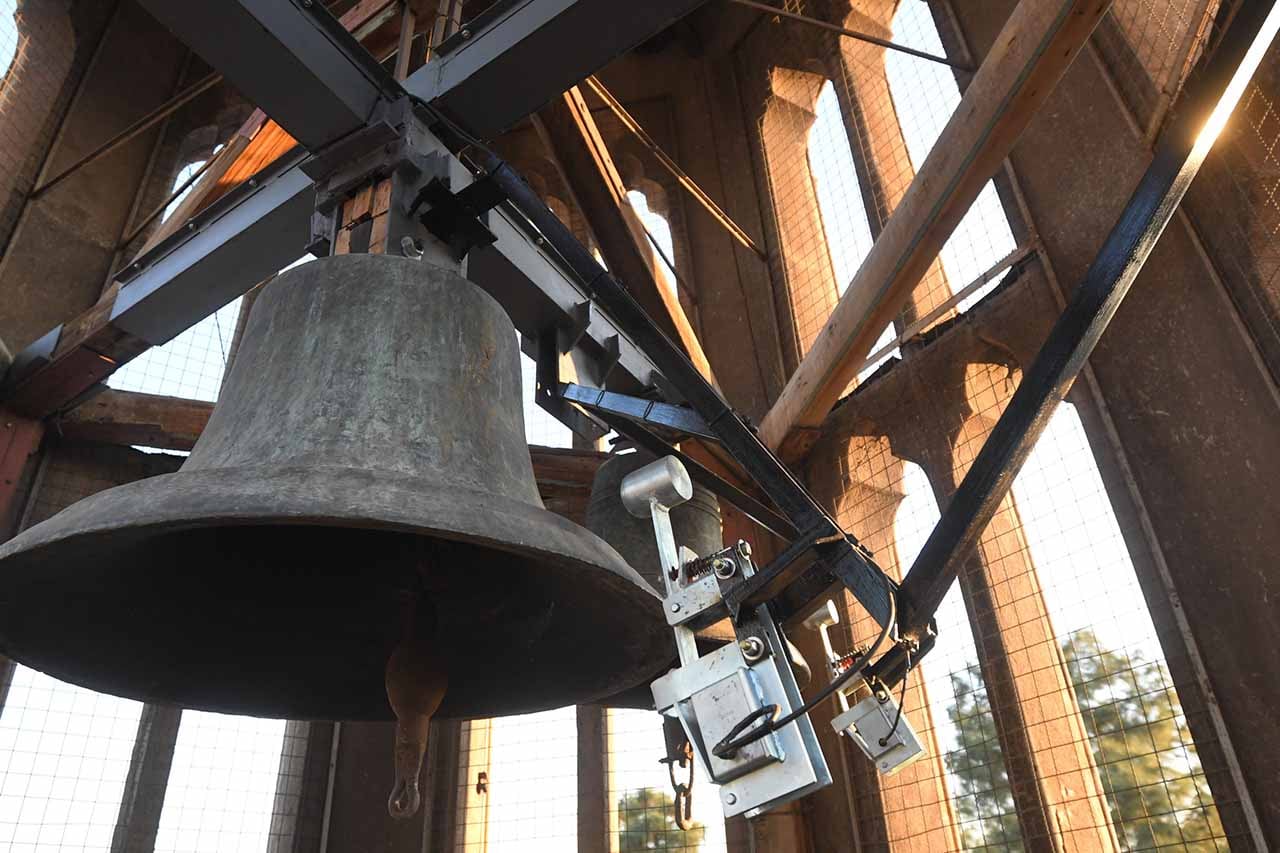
<point x="870" y="722"/>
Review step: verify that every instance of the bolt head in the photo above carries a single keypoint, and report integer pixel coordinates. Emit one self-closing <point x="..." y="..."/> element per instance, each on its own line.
<point x="752" y="649"/>
<point x="675" y="608"/>
<point x="744" y="549"/>
<point x="466" y="34"/>
<point x="723" y="568"/>
<point x="730" y="798"/>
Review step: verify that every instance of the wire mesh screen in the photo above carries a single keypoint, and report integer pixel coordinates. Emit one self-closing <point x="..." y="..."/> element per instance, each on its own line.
<point x="191" y="365"/>
<point x="65" y="751"/>
<point x="221" y="784"/>
<point x="1235" y="205"/>
<point x="518" y="784"/>
<point x="842" y="128"/>
<point x="1048" y="708"/>
<point x="641" y="805"/>
<point x="1150" y="47"/>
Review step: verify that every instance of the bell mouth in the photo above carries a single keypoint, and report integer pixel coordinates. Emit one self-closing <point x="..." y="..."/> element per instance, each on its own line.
<point x="278" y="593"/>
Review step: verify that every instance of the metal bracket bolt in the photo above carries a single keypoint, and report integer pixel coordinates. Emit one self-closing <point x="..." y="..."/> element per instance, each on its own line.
<point x="753" y="649"/>
<point x="724" y="568"/>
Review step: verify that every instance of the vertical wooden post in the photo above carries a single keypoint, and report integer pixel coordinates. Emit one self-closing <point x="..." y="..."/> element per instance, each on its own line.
<point x="593" y="779"/>
<point x="139" y="817"/>
<point x="19" y="440"/>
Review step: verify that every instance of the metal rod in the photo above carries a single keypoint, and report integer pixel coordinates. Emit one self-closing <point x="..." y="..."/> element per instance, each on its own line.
<point x="1183" y="147"/>
<point x="689" y="184"/>
<point x="160" y="113"/>
<point x="853" y="34"/>
<point x="173" y="196"/>
<point x="956" y="298"/>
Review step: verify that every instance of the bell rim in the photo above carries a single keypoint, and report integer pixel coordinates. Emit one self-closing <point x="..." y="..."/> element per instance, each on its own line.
<point x="191" y="499"/>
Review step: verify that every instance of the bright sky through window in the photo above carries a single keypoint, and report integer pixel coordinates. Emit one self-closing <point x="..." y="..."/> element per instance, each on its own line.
<point x="844" y="216"/>
<point x="8" y="34"/>
<point x="925" y="95"/>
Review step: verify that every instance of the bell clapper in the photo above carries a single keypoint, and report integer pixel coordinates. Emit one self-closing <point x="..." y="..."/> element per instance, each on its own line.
<point x="416" y="682"/>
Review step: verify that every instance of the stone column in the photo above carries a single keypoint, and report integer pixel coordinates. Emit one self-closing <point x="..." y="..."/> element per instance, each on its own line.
<point x="876" y="141"/>
<point x="857" y="475"/>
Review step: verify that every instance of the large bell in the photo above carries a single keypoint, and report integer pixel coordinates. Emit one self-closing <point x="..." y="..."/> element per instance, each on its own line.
<point x="368" y="448"/>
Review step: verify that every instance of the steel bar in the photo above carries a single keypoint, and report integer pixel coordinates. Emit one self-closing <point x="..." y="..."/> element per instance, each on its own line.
<point x="645" y="412"/>
<point x="1009" y="260"/>
<point x="547" y="45"/>
<point x="864" y="579"/>
<point x="853" y="34"/>
<point x="148" y="121"/>
<point x="689" y="184"/>
<point x="292" y="59"/>
<point x="704" y="476"/>
<point x="1209" y="100"/>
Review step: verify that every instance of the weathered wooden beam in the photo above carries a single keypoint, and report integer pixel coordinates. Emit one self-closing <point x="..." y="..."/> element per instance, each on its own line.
<point x="1037" y="44"/>
<point x="19" y="441"/>
<point x="127" y="418"/>
<point x="583" y="160"/>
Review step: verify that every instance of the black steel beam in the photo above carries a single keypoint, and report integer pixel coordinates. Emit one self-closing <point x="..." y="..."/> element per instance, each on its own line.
<point x="1210" y="97"/>
<point x="505" y="65"/>
<point x="290" y="57"/>
<point x="843" y="560"/>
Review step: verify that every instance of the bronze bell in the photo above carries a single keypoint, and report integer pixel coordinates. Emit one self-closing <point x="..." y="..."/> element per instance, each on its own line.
<point x="367" y="459"/>
<point x="696" y="524"/>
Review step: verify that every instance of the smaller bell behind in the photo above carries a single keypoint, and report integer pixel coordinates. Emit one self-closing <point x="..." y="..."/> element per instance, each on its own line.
<point x="368" y="450"/>
<point x="696" y="524"/>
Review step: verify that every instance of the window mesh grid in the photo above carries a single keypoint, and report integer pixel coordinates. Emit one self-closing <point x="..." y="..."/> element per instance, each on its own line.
<point x="1082" y="689"/>
<point x="842" y="130"/>
<point x="641" y="806"/>
<point x="1049" y="668"/>
<point x="529" y="800"/>
<point x="221" y="785"/>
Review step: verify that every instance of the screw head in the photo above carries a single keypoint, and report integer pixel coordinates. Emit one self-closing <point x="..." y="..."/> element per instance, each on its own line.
<point x="675" y="607"/>
<point x="752" y="649"/>
<point x="730" y="798"/>
<point x="466" y="34"/>
<point x="744" y="549"/>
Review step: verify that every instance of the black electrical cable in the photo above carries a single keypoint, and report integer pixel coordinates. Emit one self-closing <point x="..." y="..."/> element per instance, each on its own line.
<point x="728" y="745"/>
<point x="732" y="742"/>
<point x="902" y="700"/>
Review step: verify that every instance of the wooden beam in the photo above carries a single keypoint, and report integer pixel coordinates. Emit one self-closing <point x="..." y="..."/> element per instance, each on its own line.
<point x="584" y="163"/>
<point x="127" y="418"/>
<point x="19" y="441"/>
<point x="1033" y="50"/>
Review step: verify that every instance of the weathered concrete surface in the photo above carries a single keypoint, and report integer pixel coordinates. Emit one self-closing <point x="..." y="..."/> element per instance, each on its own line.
<point x="61" y="250"/>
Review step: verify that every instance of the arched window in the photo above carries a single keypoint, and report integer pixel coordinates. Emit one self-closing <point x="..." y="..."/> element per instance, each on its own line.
<point x="8" y="35"/>
<point x="964" y="729"/>
<point x="1146" y="758"/>
<point x="925" y="95"/>
<point x="658" y="233"/>
<point x="844" y="215"/>
<point x="185" y="179"/>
